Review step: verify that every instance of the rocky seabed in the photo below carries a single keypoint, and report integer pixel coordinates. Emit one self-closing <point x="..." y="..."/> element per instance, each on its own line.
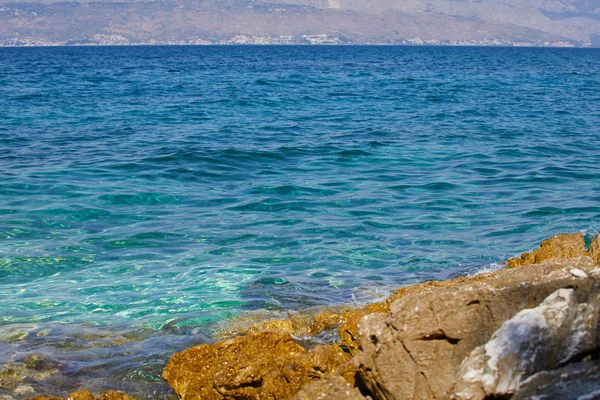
<point x="526" y="332"/>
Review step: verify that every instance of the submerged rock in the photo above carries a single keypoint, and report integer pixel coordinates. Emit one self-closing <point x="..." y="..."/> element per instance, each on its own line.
<point x="25" y="377"/>
<point x="256" y="366"/>
<point x="85" y="395"/>
<point x="42" y="364"/>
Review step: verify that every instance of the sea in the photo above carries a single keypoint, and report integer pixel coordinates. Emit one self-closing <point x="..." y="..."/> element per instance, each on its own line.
<point x="150" y="194"/>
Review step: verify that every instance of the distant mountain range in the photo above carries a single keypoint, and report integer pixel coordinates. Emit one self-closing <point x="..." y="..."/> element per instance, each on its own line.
<point x="455" y="22"/>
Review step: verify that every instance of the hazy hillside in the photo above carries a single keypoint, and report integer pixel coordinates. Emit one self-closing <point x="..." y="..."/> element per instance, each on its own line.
<point x="480" y="22"/>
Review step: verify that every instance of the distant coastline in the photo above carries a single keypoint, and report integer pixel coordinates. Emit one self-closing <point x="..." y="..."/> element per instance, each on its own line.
<point x="333" y="22"/>
<point x="314" y="40"/>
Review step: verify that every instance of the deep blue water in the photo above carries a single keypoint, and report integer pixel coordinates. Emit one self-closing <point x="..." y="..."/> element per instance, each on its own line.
<point x="144" y="187"/>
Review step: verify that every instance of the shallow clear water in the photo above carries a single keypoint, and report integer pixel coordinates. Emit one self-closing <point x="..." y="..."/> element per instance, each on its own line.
<point x="152" y="187"/>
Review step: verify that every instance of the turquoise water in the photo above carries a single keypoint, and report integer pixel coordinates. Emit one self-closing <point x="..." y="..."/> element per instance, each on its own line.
<point x="164" y="188"/>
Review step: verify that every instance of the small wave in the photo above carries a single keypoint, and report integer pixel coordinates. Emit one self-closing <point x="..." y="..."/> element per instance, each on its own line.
<point x="263" y="82"/>
<point x="354" y="153"/>
<point x="147" y="198"/>
<point x="292" y="190"/>
<point x="250" y="155"/>
<point x="273" y="206"/>
<point x="589" y="234"/>
<point x="493" y="267"/>
<point x="21" y="268"/>
<point x="380" y="225"/>
<point x="440" y="186"/>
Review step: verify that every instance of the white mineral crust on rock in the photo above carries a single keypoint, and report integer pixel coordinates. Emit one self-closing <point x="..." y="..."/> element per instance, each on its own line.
<point x="576" y="272"/>
<point x="534" y="339"/>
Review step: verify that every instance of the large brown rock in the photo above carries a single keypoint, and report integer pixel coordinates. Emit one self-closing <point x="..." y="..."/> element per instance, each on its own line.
<point x="256" y="366"/>
<point x="415" y="350"/>
<point x="565" y="246"/>
<point x="348" y="329"/>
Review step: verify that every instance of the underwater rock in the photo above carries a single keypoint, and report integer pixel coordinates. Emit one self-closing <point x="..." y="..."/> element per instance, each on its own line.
<point x="255" y="366"/>
<point x="415" y="350"/>
<point x="85" y="395"/>
<point x="10" y="378"/>
<point x="565" y="246"/>
<point x="25" y="377"/>
<point x="42" y="364"/>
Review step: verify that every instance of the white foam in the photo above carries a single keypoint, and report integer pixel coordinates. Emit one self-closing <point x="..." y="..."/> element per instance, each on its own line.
<point x="493" y="267"/>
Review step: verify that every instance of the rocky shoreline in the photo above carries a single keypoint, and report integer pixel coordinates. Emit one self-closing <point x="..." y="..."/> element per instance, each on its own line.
<point x="528" y="331"/>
